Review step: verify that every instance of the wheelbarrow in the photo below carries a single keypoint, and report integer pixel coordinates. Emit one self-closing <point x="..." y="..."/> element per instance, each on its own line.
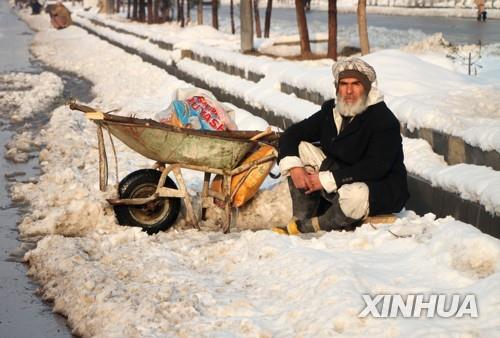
<point x="149" y="198"/>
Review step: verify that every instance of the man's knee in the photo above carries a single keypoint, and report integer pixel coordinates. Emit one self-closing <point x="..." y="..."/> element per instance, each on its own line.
<point x="354" y="200"/>
<point x="310" y="155"/>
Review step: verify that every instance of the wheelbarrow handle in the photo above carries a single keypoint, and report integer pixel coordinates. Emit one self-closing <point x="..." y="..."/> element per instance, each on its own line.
<point x="90" y="113"/>
<point x="262" y="134"/>
<point x="76" y="106"/>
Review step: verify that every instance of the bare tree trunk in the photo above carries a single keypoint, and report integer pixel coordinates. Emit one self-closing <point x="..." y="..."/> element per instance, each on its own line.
<point x="332" y="30"/>
<point x="156" y="6"/>
<point x="181" y="8"/>
<point x="165" y="10"/>
<point x="305" y="45"/>
<point x="178" y="10"/>
<point x="231" y="11"/>
<point x="188" y="9"/>
<point x="267" y="22"/>
<point x="134" y="10"/>
<point x="363" y="28"/>
<point x="142" y="10"/>
<point x="215" y="14"/>
<point x="258" y="31"/>
<point x="199" y="15"/>
<point x="150" y="11"/>
<point x="128" y="9"/>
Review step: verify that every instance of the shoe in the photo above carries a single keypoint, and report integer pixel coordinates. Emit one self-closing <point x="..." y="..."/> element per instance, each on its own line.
<point x="292" y="228"/>
<point x="484" y="16"/>
<point x="280" y="230"/>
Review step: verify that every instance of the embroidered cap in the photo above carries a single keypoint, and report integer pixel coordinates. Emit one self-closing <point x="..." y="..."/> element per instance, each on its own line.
<point x="354" y="67"/>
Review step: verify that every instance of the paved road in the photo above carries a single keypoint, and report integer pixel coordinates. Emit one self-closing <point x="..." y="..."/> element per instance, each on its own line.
<point x="22" y="313"/>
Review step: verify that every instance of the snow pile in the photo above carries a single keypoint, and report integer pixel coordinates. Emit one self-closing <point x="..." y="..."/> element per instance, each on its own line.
<point x="129" y="41"/>
<point x="416" y="95"/>
<point x="484" y="59"/>
<point x="251" y="284"/>
<point x="64" y="201"/>
<point x="22" y="95"/>
<point x="471" y="182"/>
<point x="170" y="33"/>
<point x="20" y="147"/>
<point x="435" y="42"/>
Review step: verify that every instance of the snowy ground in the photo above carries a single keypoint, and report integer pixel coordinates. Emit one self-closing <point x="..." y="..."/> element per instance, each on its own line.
<point x="112" y="281"/>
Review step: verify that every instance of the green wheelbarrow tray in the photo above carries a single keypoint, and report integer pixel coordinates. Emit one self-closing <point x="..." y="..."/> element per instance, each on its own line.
<point x="213" y="152"/>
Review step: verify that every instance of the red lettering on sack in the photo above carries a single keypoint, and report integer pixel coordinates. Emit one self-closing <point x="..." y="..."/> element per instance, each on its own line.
<point x="207" y="112"/>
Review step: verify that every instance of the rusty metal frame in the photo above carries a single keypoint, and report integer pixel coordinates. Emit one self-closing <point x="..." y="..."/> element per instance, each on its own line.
<point x="225" y="195"/>
<point x="164" y="192"/>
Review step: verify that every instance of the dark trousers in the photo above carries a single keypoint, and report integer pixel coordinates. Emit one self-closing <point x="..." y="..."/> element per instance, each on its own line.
<point x="321" y="205"/>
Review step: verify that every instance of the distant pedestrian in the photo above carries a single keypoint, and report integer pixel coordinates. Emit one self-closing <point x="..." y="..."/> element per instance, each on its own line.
<point x="36" y="7"/>
<point x="307" y="5"/>
<point x="481" y="13"/>
<point x="60" y="16"/>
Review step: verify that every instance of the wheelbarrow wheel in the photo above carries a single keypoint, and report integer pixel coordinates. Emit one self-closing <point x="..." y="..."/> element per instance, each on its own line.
<point x="154" y="216"/>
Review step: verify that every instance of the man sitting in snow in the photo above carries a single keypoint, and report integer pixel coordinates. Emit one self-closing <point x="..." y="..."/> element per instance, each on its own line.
<point x="359" y="169"/>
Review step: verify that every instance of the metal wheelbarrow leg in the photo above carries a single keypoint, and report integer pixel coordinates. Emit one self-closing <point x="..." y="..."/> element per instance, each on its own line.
<point x="182" y="186"/>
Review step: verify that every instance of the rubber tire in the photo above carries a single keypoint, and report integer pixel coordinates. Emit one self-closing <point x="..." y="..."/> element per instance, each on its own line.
<point x="142" y="183"/>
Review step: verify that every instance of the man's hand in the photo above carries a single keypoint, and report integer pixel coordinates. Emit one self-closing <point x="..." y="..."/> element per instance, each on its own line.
<point x="299" y="178"/>
<point x="313" y="183"/>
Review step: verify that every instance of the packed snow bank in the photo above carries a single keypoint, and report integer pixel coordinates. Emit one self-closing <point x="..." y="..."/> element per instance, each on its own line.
<point x="428" y="96"/>
<point x="199" y="284"/>
<point x="471" y="182"/>
<point x="20" y="147"/>
<point x="23" y="95"/>
<point x="64" y="200"/>
<point x="170" y="33"/>
<point x="156" y="52"/>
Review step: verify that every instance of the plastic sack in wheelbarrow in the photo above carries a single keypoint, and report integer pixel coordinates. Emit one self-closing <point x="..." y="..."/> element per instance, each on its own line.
<point x="198" y="112"/>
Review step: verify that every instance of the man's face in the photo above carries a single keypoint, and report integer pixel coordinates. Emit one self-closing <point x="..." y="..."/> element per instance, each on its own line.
<point x="351" y="90"/>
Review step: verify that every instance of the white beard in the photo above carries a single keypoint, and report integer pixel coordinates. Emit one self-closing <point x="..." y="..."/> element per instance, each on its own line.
<point x="351" y="109"/>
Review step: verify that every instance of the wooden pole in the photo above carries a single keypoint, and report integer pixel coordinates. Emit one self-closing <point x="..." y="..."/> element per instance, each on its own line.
<point x="215" y="14"/>
<point x="267" y="22"/>
<point x="246" y="21"/>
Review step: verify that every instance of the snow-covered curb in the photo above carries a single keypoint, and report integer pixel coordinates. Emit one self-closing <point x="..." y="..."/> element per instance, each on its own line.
<point x="404" y="93"/>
